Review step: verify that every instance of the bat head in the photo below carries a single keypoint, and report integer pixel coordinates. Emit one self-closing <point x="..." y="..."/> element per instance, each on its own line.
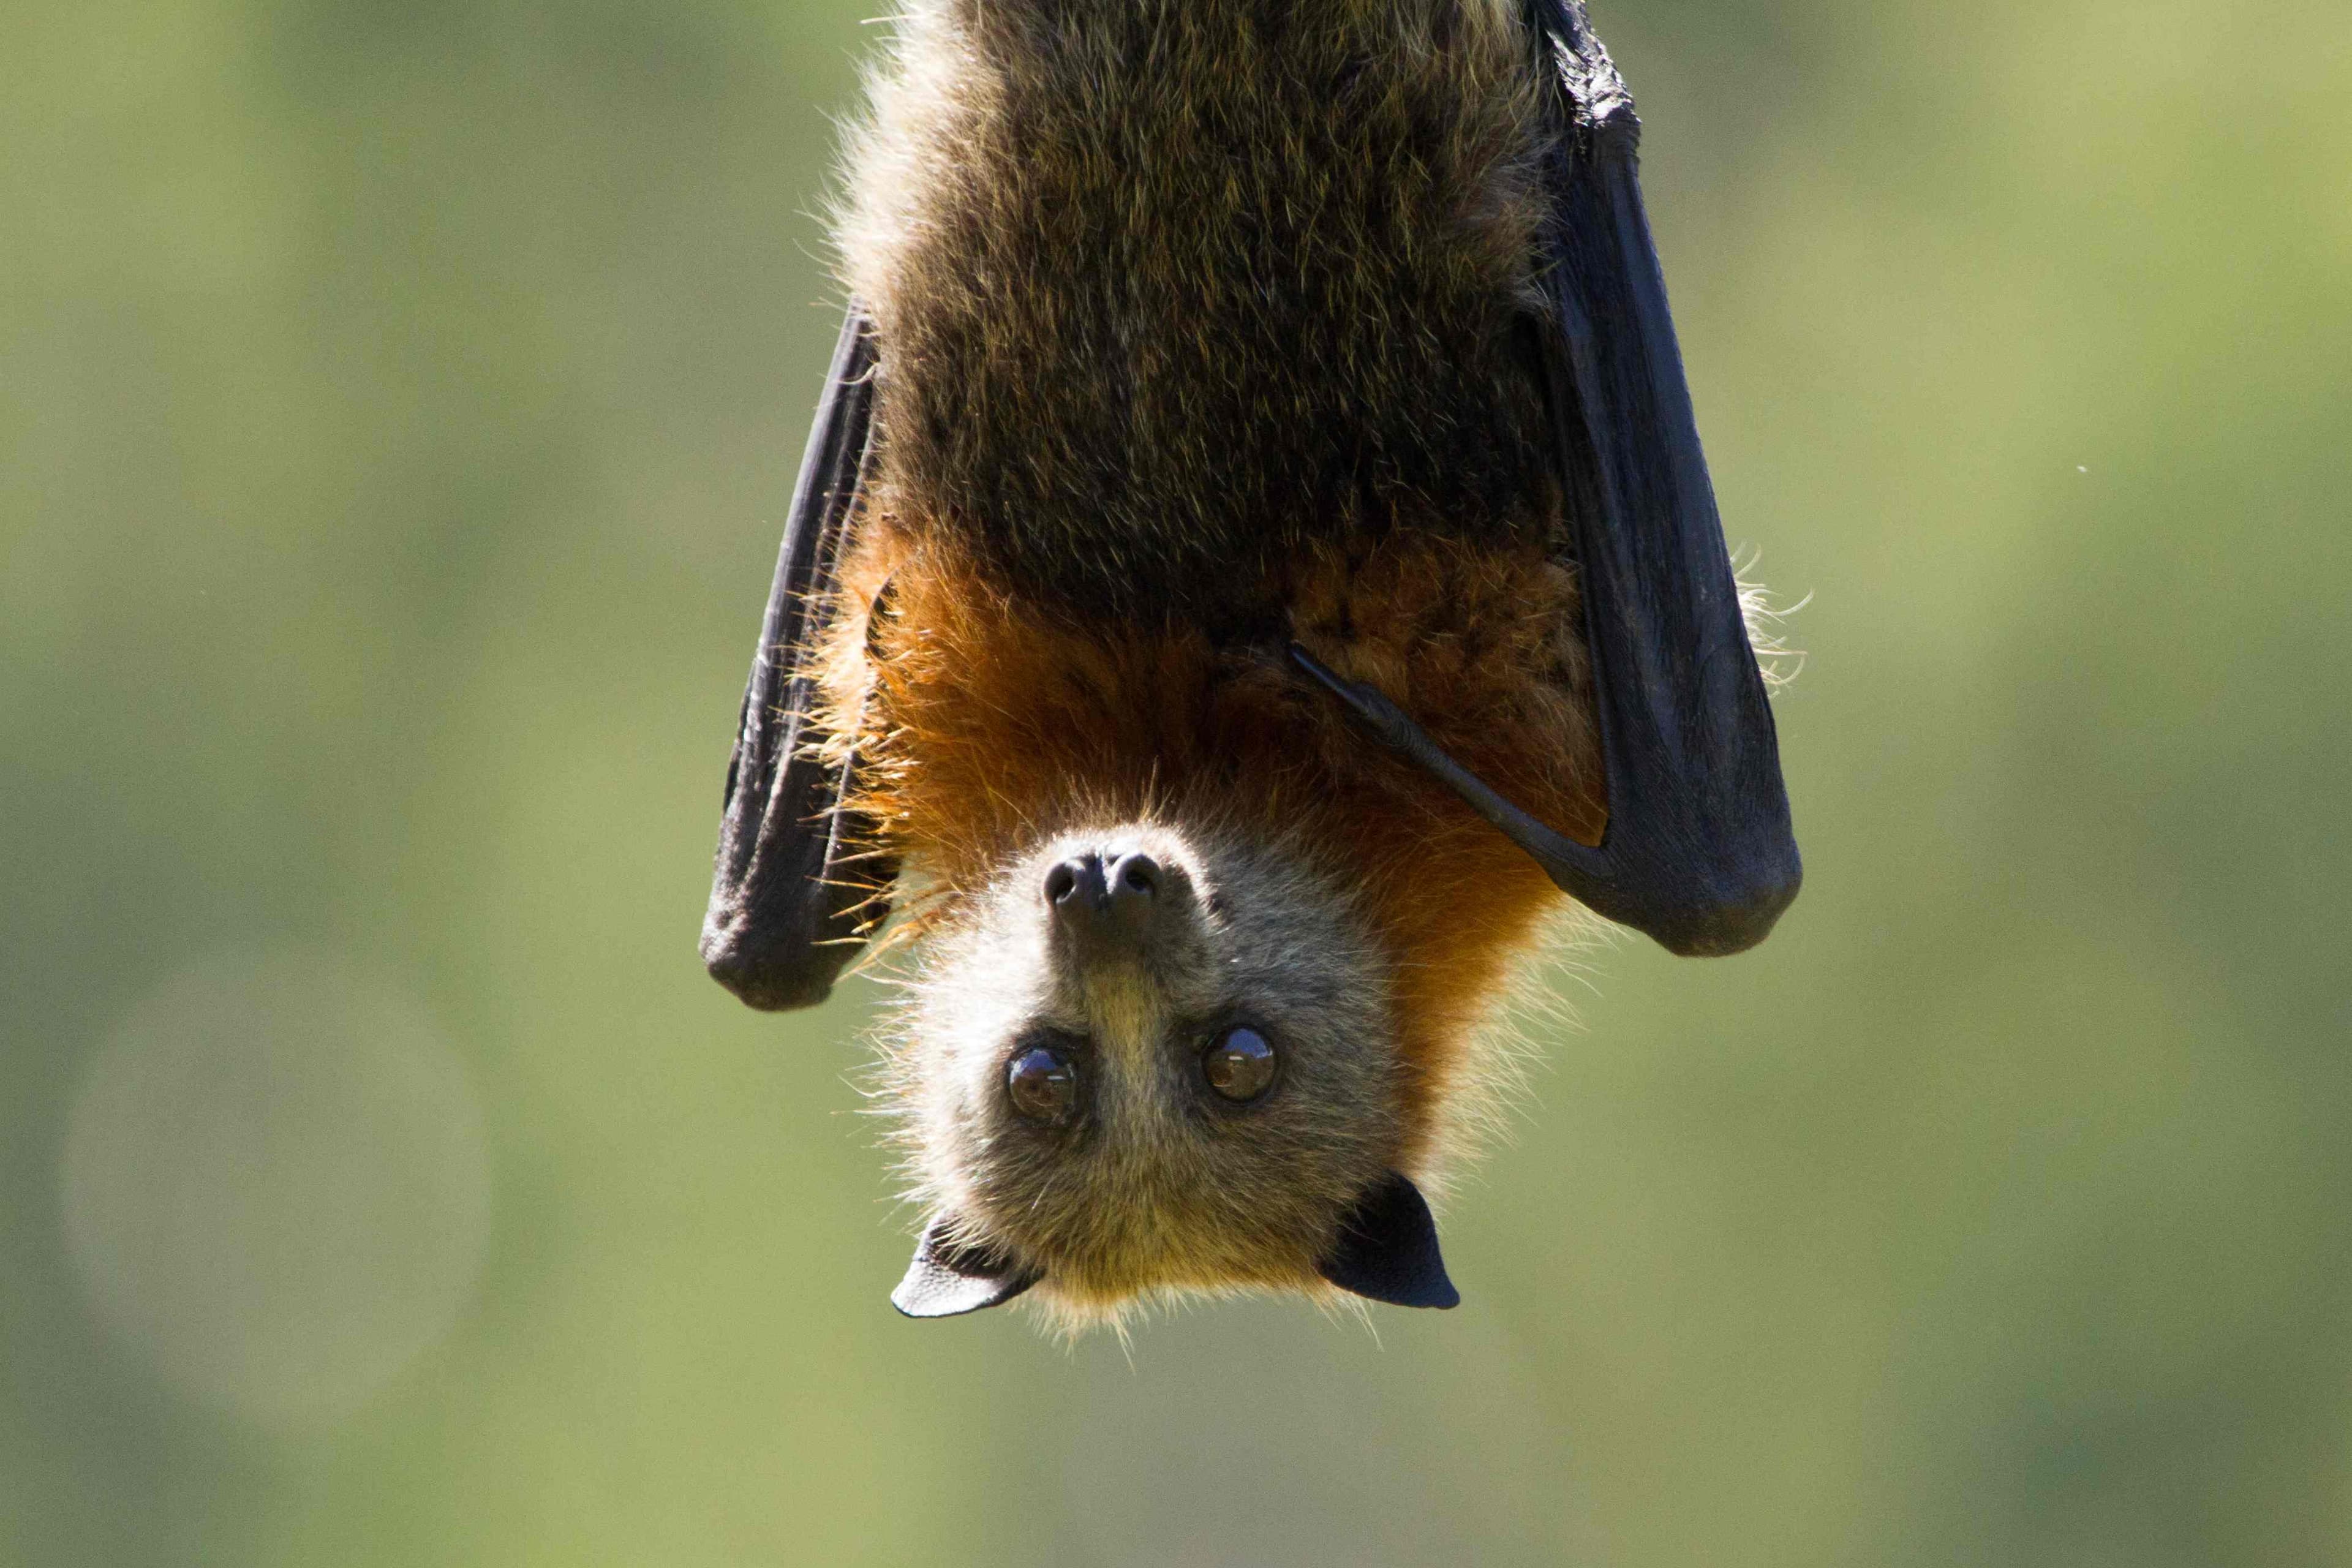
<point x="1152" y="1059"/>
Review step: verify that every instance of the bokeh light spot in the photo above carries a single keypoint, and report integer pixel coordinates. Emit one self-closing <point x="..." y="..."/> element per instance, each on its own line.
<point x="276" y="1185"/>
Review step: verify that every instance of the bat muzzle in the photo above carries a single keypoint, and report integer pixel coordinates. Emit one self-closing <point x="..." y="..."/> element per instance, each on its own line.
<point x="1111" y="904"/>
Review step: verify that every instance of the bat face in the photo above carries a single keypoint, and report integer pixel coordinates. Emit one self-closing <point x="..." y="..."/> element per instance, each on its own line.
<point x="1194" y="988"/>
<point x="1152" y="1059"/>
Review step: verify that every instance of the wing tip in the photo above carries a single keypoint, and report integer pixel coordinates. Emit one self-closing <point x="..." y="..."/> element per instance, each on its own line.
<point x="758" y="979"/>
<point x="1735" y="923"/>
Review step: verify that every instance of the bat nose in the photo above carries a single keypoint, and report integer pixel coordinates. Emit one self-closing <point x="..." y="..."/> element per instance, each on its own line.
<point x="1136" y="876"/>
<point x="1075" y="886"/>
<point x="1098" y="899"/>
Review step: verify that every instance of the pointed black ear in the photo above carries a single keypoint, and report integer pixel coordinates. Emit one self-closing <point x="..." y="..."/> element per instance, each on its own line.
<point x="947" y="1281"/>
<point x="1387" y="1249"/>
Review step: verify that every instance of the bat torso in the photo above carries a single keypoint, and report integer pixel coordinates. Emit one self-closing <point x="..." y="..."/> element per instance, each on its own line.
<point x="1168" y="290"/>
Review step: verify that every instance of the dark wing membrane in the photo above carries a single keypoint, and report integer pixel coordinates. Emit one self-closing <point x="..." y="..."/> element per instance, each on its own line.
<point x="790" y="904"/>
<point x="1698" y="852"/>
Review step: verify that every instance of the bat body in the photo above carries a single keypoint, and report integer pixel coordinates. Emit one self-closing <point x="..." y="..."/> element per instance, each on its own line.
<point x="1253" y="564"/>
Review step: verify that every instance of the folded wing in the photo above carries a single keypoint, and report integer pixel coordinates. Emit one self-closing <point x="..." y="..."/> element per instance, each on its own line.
<point x="1698" y="852"/>
<point x="791" y="900"/>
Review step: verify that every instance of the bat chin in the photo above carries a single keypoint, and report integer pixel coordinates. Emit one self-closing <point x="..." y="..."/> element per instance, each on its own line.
<point x="1383" y="1248"/>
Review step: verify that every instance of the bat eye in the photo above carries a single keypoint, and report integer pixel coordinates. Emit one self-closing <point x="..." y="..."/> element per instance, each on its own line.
<point x="1239" y="1065"/>
<point x="1043" y="1084"/>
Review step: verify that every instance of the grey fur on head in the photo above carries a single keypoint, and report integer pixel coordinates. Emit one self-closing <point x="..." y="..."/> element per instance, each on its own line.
<point x="1154" y="1182"/>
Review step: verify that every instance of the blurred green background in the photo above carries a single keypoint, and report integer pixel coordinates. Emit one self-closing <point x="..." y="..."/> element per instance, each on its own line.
<point x="397" y="405"/>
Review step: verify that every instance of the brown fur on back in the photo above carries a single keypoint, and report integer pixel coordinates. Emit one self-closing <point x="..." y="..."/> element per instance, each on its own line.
<point x="1167" y="289"/>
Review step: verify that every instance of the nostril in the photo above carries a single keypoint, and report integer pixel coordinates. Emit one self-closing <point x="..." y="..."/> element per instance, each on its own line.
<point x="1060" y="882"/>
<point x="1137" y="874"/>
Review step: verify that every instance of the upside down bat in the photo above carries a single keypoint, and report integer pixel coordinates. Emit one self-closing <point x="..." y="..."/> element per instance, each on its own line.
<point x="1253" y="569"/>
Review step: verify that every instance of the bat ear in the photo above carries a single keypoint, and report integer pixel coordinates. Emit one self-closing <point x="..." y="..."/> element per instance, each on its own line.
<point x="1387" y="1249"/>
<point x="948" y="1279"/>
